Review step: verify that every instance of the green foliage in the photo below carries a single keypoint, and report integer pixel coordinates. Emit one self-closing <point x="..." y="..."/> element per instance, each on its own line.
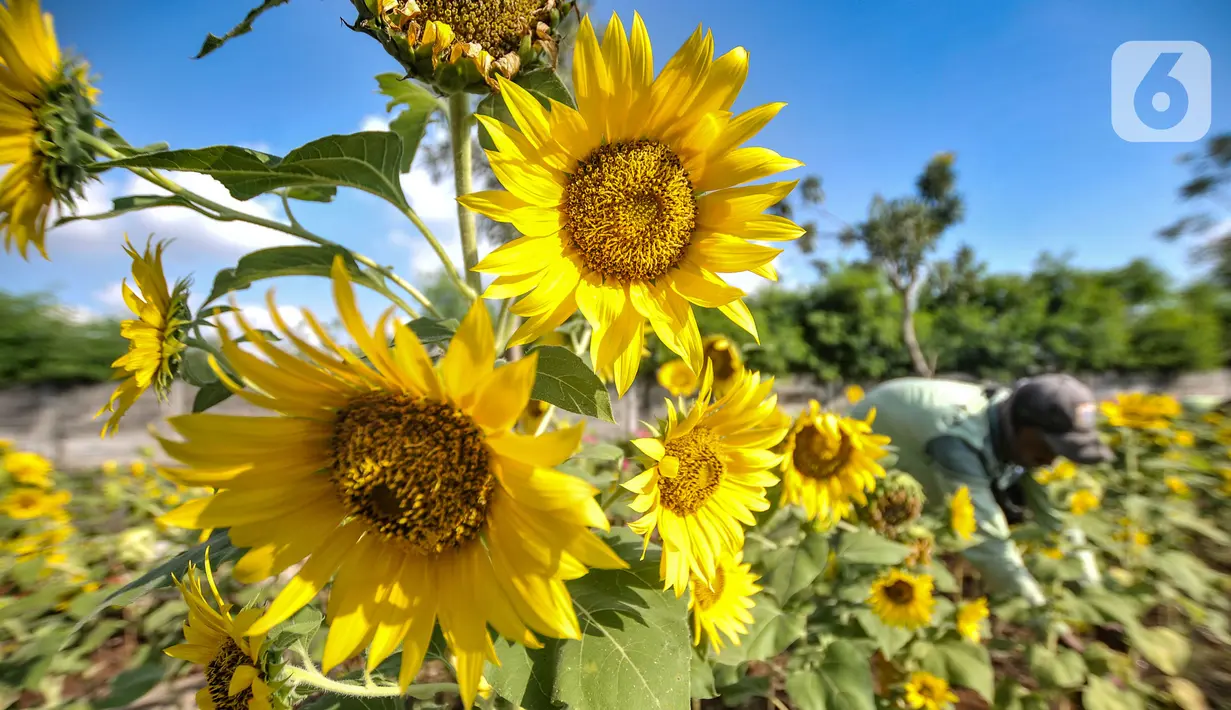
<point x="40" y="343"/>
<point x="565" y="380"/>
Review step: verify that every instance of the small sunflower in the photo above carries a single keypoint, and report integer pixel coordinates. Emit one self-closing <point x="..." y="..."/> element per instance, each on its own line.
<point x="902" y="599"/>
<point x="402" y="482"/>
<point x="31" y="503"/>
<point x="925" y="691"/>
<point x="28" y="468"/>
<point x="1137" y="410"/>
<point x="138" y="469"/>
<point x="854" y="394"/>
<point x="110" y="467"/>
<point x="230" y="656"/>
<point x="677" y="378"/>
<point x="831" y="462"/>
<point x="460" y="45"/>
<point x="723" y="606"/>
<point x="970" y="616"/>
<point x="1185" y="438"/>
<point x="44" y="101"/>
<point x="707" y="475"/>
<point x="1063" y="470"/>
<point x="1083" y="502"/>
<point x="1177" y="486"/>
<point x="724" y="357"/>
<point x="155" y="336"/>
<point x="962" y="514"/>
<point x="635" y="203"/>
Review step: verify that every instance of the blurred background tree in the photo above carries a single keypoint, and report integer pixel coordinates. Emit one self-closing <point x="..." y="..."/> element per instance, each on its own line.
<point x="1209" y="187"/>
<point x="43" y="343"/>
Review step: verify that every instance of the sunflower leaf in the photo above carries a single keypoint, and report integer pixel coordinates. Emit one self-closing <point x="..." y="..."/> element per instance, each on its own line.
<point x="431" y="331"/>
<point x="635" y="649"/>
<point x="772" y="630"/>
<point x="213" y="41"/>
<point x="411" y="123"/>
<point x="130" y="203"/>
<point x="842" y="681"/>
<point x="210" y="395"/>
<point x="868" y="548"/>
<point x="220" y="550"/>
<point x="367" y="161"/>
<point x="312" y="193"/>
<point x="283" y="261"/>
<point x="564" y="379"/>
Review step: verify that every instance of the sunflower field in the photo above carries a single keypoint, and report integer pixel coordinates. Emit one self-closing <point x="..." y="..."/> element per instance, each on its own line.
<point x="416" y="516"/>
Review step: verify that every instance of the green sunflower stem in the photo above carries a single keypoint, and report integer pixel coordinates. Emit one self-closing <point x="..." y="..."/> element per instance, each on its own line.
<point x="316" y="679"/>
<point x="226" y="214"/>
<point x="459" y="132"/>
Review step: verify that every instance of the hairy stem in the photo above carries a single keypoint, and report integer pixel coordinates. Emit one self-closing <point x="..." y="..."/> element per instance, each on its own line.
<point x="314" y="678"/>
<point x="459" y="133"/>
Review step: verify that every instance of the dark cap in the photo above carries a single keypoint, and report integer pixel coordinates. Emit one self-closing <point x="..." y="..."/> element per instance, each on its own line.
<point x="1066" y="412"/>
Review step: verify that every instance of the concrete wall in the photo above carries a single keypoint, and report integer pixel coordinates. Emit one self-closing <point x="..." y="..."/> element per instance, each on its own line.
<point x="60" y="424"/>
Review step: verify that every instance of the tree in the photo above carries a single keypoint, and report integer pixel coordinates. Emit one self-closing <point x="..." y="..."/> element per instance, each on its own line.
<point x="1210" y="183"/>
<point x="41" y="343"/>
<point x="899" y="236"/>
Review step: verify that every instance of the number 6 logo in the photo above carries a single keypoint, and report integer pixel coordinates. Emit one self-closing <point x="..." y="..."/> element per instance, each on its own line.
<point x="1160" y="92"/>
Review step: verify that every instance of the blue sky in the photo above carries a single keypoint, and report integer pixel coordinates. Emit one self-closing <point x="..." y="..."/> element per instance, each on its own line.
<point x="1019" y="90"/>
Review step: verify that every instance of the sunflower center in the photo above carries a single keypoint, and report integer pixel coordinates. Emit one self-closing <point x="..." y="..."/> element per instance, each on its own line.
<point x="721" y="360"/>
<point x="701" y="471"/>
<point x="630" y="210"/>
<point x="706" y="594"/>
<point x="218" y="675"/>
<point x="819" y="456"/>
<point x="900" y="592"/>
<point x="495" y="25"/>
<point x="416" y="470"/>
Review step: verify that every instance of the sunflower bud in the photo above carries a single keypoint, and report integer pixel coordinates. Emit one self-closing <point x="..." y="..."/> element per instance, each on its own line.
<point x="893" y="506"/>
<point x="462" y="45"/>
<point x="922" y="544"/>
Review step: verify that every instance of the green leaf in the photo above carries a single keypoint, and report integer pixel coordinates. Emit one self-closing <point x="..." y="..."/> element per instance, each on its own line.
<point x="793" y="568"/>
<point x="220" y="551"/>
<point x="1056" y="669"/>
<point x="131" y="685"/>
<point x="1165" y="648"/>
<point x="495" y="107"/>
<point x="367" y="161"/>
<point x="282" y="261"/>
<point x="600" y="452"/>
<point x="131" y="203"/>
<point x="312" y="193"/>
<point x="210" y="395"/>
<point x="213" y="42"/>
<point x="890" y="639"/>
<point x="842" y="682"/>
<point x="563" y="379"/>
<point x="1102" y="694"/>
<point x="739" y="693"/>
<point x="866" y="547"/>
<point x="303" y="625"/>
<point x="411" y="123"/>
<point x="433" y="331"/>
<point x="769" y="634"/>
<point x="964" y="664"/>
<point x="635" y="650"/>
<point x="701" y="683"/>
<point x="339" y="702"/>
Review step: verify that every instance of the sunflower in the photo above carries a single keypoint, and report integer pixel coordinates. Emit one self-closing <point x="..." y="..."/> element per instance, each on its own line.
<point x="677" y="378"/>
<point x="925" y="691"/>
<point x="1185" y="438"/>
<point x="723" y="604"/>
<point x="1083" y="502"/>
<point x="155" y="336"/>
<point x="962" y="514"/>
<point x="831" y="462"/>
<point x="30" y="503"/>
<point x="706" y="476"/>
<point x="110" y="467"/>
<point x="44" y="101"/>
<point x="1177" y="486"/>
<point x="724" y="357"/>
<point x="1063" y="470"/>
<point x="401" y="478"/>
<point x="894" y="506"/>
<point x="28" y="468"/>
<point x="854" y="394"/>
<point x="970" y="616"/>
<point x="629" y="204"/>
<point x="460" y="45"/>
<point x="229" y="654"/>
<point x="137" y="469"/>
<point x="903" y="599"/>
<point x="1137" y="410"/>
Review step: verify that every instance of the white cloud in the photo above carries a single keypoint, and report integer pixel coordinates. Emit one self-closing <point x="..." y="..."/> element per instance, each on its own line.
<point x="111" y="297"/>
<point x="374" y="123"/>
<point x="186" y="226"/>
